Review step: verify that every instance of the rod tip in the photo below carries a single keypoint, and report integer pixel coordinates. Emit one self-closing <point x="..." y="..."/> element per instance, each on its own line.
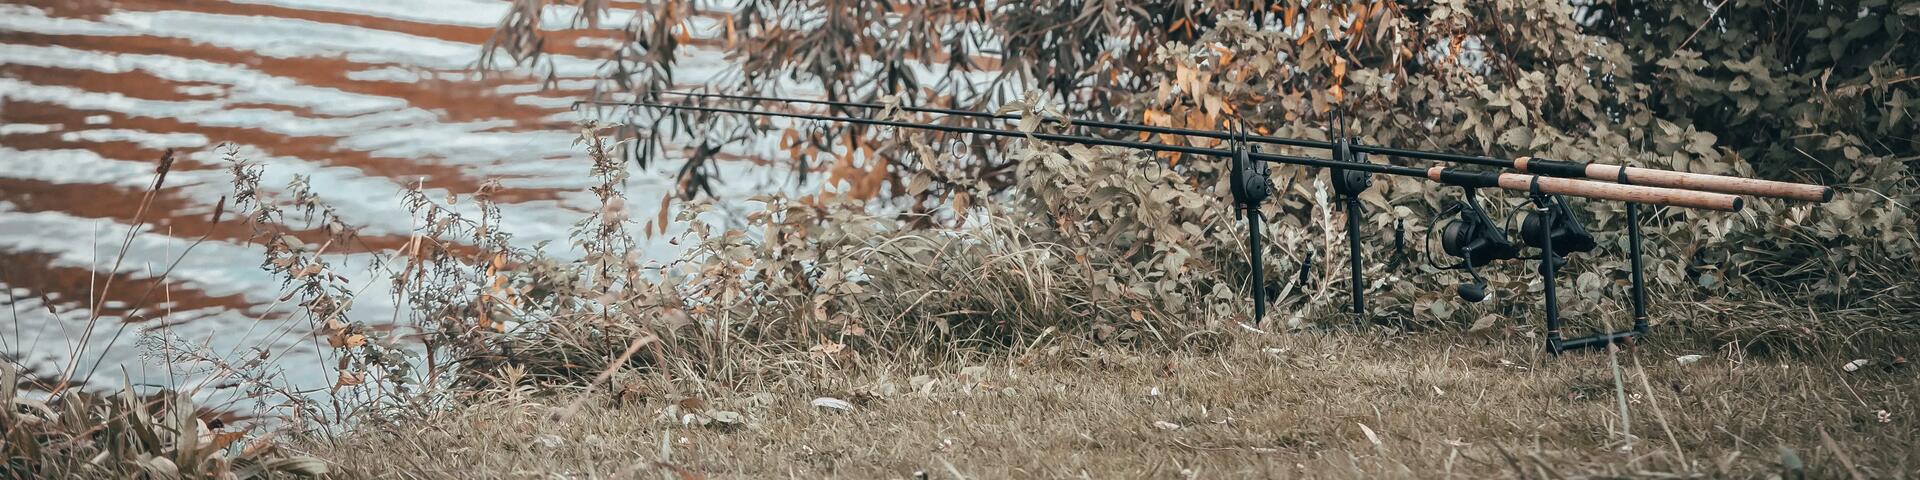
<point x="1826" y="195"/>
<point x="1739" y="203"/>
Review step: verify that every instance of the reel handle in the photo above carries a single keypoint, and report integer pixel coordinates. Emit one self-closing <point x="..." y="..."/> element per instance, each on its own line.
<point x="1472" y="292"/>
<point x="1681" y="180"/>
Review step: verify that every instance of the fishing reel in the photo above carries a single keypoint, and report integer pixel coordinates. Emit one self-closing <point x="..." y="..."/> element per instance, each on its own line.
<point x="1476" y="240"/>
<point x="1555" y="220"/>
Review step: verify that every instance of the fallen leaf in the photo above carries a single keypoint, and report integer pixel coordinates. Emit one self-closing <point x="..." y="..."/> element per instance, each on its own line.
<point x="1371" y="437"/>
<point x="1165" y="425"/>
<point x="975" y="373"/>
<point x="921" y="383"/>
<point x="693" y="404"/>
<point x="1688" y="359"/>
<point x="1485" y="322"/>
<point x="832" y="404"/>
<point x="724" y="416"/>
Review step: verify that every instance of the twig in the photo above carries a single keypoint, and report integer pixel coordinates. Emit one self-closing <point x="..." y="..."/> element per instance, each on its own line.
<point x="1703" y="25"/>
<point x="1619" y="390"/>
<point x="1844" y="460"/>
<point x="605" y="374"/>
<point x="99" y="300"/>
<point x="1512" y="462"/>
<point x="1658" y="414"/>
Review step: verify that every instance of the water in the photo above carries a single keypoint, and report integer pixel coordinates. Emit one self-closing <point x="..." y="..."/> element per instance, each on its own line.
<point x="368" y="99"/>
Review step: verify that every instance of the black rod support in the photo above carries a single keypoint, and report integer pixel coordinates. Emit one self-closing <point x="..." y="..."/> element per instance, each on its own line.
<point x="1638" y="271"/>
<point x="1354" y="266"/>
<point x="1549" y="268"/>
<point x="1259" y="274"/>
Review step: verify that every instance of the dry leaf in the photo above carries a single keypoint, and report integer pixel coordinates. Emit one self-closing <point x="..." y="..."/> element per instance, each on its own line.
<point x="724" y="416"/>
<point x="831" y="403"/>
<point x="1371" y="437"/>
<point x="348" y="379"/>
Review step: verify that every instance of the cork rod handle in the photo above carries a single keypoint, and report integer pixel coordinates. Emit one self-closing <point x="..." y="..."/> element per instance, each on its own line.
<point x="1712" y="183"/>
<point x="1681" y="180"/>
<point x="1614" y="191"/>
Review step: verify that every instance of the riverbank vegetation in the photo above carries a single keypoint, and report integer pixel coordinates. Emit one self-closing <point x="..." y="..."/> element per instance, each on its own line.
<point x="944" y="308"/>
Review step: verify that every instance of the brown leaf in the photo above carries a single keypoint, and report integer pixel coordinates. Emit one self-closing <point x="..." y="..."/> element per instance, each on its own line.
<point x="223" y="439"/>
<point x="348" y="379"/>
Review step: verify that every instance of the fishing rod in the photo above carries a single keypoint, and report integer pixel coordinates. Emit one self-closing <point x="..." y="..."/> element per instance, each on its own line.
<point x="1478" y="240"/>
<point x="1478" y="179"/>
<point x="1533" y="165"/>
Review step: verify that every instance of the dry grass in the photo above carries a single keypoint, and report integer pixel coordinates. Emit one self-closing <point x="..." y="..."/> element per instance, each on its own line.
<point x="1314" y="405"/>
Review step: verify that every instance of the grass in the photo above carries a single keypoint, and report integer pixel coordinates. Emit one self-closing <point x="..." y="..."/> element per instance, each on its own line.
<point x="1307" y="405"/>
<point x="1012" y="350"/>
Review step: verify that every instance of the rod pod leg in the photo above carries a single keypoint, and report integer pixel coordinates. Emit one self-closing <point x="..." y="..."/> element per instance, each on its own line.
<point x="1354" y="265"/>
<point x="1640" y="326"/>
<point x="1250" y="185"/>
<point x="1549" y="269"/>
<point x="1259" y="280"/>
<point x="1349" y="184"/>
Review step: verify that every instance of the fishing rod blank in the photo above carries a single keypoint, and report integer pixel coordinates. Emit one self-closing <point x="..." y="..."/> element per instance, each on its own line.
<point x="1539" y="166"/>
<point x="1507" y="181"/>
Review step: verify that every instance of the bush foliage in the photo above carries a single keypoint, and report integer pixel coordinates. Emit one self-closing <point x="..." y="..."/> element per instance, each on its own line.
<point x="1815" y="92"/>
